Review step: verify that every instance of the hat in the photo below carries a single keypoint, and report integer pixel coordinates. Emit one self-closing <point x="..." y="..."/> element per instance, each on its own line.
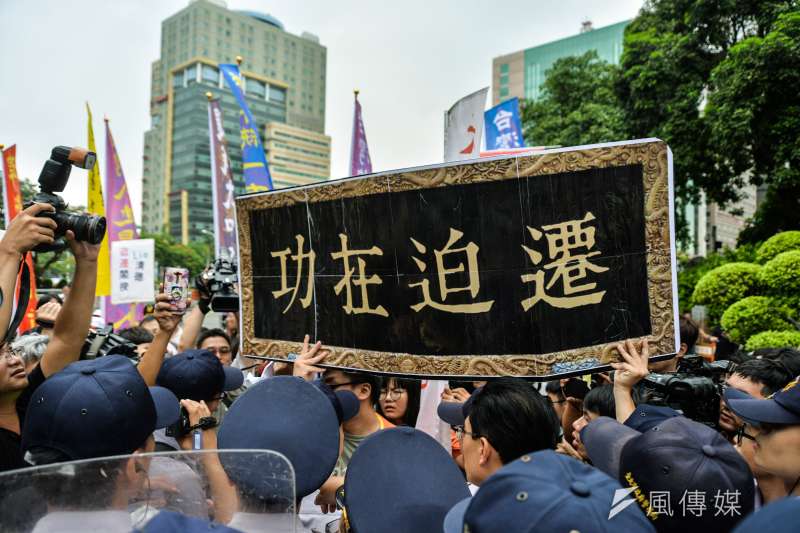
<point x="287" y="415"/>
<point x="675" y="458"/>
<point x="96" y="408"/>
<point x="171" y="522"/>
<point x="344" y="402"/>
<point x="198" y="375"/>
<point x="783" y="407"/>
<point x="545" y="491"/>
<point x="777" y="517"/>
<point x="647" y="416"/>
<point x="400" y="480"/>
<point x="455" y="413"/>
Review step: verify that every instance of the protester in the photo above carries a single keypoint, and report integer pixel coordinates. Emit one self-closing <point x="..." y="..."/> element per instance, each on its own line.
<point x="69" y="332"/>
<point x="545" y="491"/>
<point x="398" y="401"/>
<point x="400" y="480"/>
<point x="758" y="378"/>
<point x="774" y="424"/>
<point x="138" y="336"/>
<point x="556" y="397"/>
<point x="501" y="421"/>
<point x="150" y="323"/>
<point x="598" y="402"/>
<point x="685" y="476"/>
<point x="217" y="342"/>
<point x="31" y="348"/>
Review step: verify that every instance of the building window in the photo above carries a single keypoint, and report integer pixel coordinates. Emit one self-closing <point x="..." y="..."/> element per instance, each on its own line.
<point x="276" y="94"/>
<point x="191" y="75"/>
<point x="255" y="87"/>
<point x="210" y="74"/>
<point x="503" y="91"/>
<point x="177" y="79"/>
<point x="504" y="68"/>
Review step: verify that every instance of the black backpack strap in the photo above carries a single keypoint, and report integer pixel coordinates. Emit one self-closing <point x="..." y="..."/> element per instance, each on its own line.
<point x="22" y="303"/>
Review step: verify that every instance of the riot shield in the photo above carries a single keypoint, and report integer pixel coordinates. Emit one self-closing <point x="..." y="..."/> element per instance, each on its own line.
<point x="246" y="490"/>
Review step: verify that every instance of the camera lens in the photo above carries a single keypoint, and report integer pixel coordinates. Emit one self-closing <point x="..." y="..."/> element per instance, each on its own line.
<point x="88" y="228"/>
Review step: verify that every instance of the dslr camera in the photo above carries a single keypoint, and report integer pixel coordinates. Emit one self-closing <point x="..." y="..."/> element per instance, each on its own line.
<point x="220" y="280"/>
<point x="695" y="389"/>
<point x="53" y="179"/>
<point x="104" y="342"/>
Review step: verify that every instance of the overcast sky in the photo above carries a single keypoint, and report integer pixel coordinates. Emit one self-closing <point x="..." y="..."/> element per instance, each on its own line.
<point x="411" y="60"/>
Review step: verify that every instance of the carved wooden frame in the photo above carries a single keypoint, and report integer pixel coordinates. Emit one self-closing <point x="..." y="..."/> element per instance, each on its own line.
<point x="656" y="161"/>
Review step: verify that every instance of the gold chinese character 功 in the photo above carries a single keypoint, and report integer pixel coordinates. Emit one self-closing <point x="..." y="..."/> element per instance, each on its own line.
<point x="361" y="281"/>
<point x="566" y="266"/>
<point x="474" y="285"/>
<point x="298" y="259"/>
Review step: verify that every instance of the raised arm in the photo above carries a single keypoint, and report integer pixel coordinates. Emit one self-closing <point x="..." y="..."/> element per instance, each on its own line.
<point x="151" y="361"/>
<point x="24" y="233"/>
<point x="72" y="325"/>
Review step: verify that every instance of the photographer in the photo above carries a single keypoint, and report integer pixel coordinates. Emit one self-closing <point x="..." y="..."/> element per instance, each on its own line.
<point x="69" y="332"/>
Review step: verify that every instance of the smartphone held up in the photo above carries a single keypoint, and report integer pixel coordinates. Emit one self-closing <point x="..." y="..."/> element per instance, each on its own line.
<point x="176" y="285"/>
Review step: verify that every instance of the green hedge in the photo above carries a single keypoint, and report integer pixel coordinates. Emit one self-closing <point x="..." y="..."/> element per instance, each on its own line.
<point x="781" y="275"/>
<point x="778" y="243"/>
<point x="774" y="339"/>
<point x="752" y="315"/>
<point x="725" y="285"/>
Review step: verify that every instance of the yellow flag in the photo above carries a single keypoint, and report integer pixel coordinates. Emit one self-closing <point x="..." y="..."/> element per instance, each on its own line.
<point x="96" y="206"/>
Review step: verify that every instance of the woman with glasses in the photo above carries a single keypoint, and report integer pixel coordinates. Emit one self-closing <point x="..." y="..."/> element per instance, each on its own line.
<point x="399" y="401"/>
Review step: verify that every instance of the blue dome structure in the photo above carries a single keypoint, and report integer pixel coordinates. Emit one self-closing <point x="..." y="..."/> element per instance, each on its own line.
<point x="263" y="17"/>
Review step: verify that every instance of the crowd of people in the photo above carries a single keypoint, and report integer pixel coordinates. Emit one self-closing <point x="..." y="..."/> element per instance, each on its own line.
<point x="602" y="452"/>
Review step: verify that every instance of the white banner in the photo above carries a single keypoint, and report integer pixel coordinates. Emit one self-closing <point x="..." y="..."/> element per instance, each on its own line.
<point x="463" y="127"/>
<point x="132" y="271"/>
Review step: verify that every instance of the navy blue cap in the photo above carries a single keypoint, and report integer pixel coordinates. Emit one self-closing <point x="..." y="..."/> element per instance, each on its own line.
<point x="172" y="522"/>
<point x="545" y="491"/>
<point x="783" y="407"/>
<point x="344" y="402"/>
<point x="777" y="517"/>
<point x="401" y="480"/>
<point x="675" y="456"/>
<point x="198" y="375"/>
<point x="647" y="416"/>
<point x="455" y="413"/>
<point x="290" y="416"/>
<point x="96" y="408"/>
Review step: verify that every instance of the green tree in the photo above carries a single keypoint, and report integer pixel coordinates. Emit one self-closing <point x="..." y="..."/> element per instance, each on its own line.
<point x="173" y="254"/>
<point x="754" y="117"/>
<point x="578" y="104"/>
<point x="670" y="51"/>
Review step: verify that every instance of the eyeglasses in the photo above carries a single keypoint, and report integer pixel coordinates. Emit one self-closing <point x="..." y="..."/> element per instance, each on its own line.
<point x="460" y="432"/>
<point x="556" y="402"/>
<point x="335" y="386"/>
<point x="223" y="349"/>
<point x="393" y="394"/>
<point x="741" y="434"/>
<point x="9" y="354"/>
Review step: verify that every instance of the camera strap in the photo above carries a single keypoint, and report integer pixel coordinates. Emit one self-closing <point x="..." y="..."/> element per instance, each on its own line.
<point x="22" y="303"/>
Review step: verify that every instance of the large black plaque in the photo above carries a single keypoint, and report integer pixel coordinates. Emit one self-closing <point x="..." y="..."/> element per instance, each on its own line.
<point x="508" y="267"/>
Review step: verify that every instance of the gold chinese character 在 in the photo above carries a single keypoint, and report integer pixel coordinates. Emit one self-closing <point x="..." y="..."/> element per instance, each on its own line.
<point x="299" y="258"/>
<point x="566" y="266"/>
<point x="361" y="281"/>
<point x="474" y="285"/>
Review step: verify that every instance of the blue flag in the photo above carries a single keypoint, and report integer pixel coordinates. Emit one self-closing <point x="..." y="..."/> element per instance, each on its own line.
<point x="254" y="161"/>
<point x="503" y="127"/>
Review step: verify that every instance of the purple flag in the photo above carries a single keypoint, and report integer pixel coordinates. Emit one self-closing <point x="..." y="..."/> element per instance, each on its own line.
<point x="360" y="162"/>
<point x="221" y="185"/>
<point x="121" y="227"/>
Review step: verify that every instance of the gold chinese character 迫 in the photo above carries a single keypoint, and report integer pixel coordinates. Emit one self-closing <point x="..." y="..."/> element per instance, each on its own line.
<point x="566" y="266"/>
<point x="474" y="285"/>
<point x="361" y="281"/>
<point x="299" y="258"/>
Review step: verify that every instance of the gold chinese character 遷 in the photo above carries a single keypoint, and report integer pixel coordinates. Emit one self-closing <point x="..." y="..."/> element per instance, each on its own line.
<point x="474" y="285"/>
<point x="566" y="266"/>
<point x="361" y="281"/>
<point x="299" y="258"/>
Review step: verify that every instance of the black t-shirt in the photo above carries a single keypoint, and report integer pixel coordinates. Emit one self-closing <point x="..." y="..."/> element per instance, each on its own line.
<point x="10" y="442"/>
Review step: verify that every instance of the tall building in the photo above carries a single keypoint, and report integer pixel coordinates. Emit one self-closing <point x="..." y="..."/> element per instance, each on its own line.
<point x="284" y="88"/>
<point x="522" y="73"/>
